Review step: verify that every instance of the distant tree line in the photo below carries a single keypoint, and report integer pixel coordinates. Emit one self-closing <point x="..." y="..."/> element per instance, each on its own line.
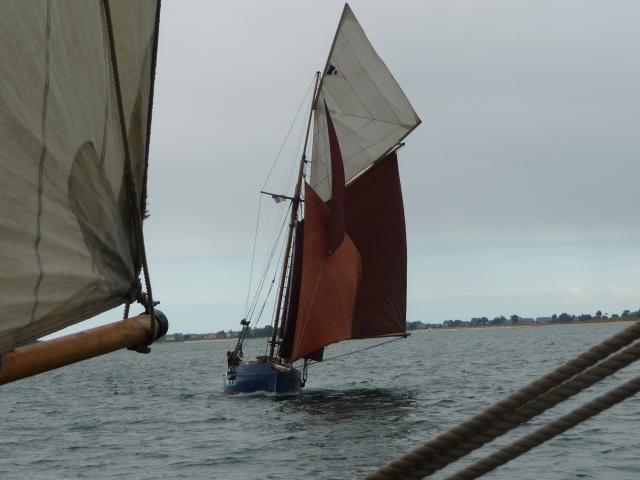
<point x="518" y="320"/>
<point x="265" y="331"/>
<point x="219" y="335"/>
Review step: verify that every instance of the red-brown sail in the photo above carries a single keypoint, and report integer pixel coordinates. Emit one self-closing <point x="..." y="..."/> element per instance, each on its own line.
<point x="329" y="283"/>
<point x="357" y="289"/>
<point x="291" y="314"/>
<point x="336" y="224"/>
<point x="375" y="222"/>
<point x="361" y="114"/>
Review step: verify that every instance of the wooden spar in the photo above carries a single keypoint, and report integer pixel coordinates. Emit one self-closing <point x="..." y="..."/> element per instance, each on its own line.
<point x="279" y="195"/>
<point x="295" y="204"/>
<point x="44" y="356"/>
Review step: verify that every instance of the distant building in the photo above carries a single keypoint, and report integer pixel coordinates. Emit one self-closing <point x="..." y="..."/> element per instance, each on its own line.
<point x="542" y="320"/>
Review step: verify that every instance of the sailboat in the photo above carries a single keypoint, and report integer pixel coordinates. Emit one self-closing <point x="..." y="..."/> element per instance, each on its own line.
<point x="344" y="272"/>
<point x="75" y="125"/>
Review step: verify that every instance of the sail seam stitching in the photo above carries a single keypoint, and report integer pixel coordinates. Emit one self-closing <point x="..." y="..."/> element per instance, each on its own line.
<point x="132" y="196"/>
<point x="298" y="339"/>
<point x="353" y="115"/>
<point x="154" y="61"/>
<point x="345" y="160"/>
<point x="43" y="157"/>
<point x="371" y="77"/>
<point x="105" y="47"/>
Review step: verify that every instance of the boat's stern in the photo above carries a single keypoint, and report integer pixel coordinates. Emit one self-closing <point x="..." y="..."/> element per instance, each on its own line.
<point x="262" y="376"/>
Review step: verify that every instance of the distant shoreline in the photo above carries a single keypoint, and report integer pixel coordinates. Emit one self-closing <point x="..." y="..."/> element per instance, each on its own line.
<point x="616" y="321"/>
<point x="202" y="340"/>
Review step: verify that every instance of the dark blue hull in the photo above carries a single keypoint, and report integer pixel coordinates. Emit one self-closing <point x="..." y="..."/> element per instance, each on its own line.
<point x="262" y="377"/>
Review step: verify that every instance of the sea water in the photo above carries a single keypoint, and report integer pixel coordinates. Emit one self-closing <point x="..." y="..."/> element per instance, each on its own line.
<point x="164" y="416"/>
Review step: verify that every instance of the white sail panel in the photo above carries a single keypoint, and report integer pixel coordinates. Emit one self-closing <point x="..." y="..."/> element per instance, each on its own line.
<point x="370" y="112"/>
<point x="66" y="248"/>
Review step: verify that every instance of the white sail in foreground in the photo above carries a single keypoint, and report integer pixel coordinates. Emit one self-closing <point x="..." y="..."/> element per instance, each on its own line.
<point x="66" y="245"/>
<point x="370" y="111"/>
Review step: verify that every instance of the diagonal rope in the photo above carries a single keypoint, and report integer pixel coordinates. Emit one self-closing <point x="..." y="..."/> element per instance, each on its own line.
<point x="543" y="403"/>
<point x="253" y="255"/>
<point x="549" y="431"/>
<point x="293" y="122"/>
<point x="132" y="196"/>
<point x="274" y="249"/>
<point x="430" y="456"/>
<point x="360" y="350"/>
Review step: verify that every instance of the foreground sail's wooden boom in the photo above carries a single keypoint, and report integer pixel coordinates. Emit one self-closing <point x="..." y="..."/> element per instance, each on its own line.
<point x="41" y="357"/>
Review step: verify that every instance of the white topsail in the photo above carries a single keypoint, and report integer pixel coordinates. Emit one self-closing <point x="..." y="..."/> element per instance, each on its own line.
<point x="66" y="248"/>
<point x="370" y="112"/>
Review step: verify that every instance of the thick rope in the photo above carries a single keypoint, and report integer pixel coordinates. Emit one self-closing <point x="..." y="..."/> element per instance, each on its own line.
<point x="152" y="83"/>
<point x="549" y="431"/>
<point x="132" y="196"/>
<point x="541" y="404"/>
<point x="428" y="458"/>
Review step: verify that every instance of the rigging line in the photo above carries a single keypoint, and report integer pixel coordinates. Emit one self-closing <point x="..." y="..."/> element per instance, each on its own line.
<point x="259" y="290"/>
<point x="275" y="274"/>
<point x="266" y="272"/>
<point x="273" y="280"/>
<point x="265" y="183"/>
<point x="253" y="255"/>
<point x="358" y="351"/>
<point x="296" y="155"/>
<point x="281" y="217"/>
<point x="264" y="276"/>
<point x="279" y="262"/>
<point x="132" y="196"/>
<point x="154" y="59"/>
<point x="275" y="236"/>
<point x="266" y="298"/>
<point x="275" y="160"/>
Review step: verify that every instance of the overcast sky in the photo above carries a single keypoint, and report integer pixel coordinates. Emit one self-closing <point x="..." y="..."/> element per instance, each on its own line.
<point x="520" y="185"/>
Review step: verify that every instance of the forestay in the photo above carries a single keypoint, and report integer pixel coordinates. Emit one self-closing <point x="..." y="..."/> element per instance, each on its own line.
<point x="370" y="111"/>
<point x="66" y="243"/>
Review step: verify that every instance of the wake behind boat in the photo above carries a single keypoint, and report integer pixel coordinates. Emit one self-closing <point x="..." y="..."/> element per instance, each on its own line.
<point x="344" y="270"/>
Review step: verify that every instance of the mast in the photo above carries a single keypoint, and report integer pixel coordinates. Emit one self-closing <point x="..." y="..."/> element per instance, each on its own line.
<point x="295" y="204"/>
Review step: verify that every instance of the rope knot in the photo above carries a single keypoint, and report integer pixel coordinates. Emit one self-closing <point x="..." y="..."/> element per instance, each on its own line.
<point x="135" y="293"/>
